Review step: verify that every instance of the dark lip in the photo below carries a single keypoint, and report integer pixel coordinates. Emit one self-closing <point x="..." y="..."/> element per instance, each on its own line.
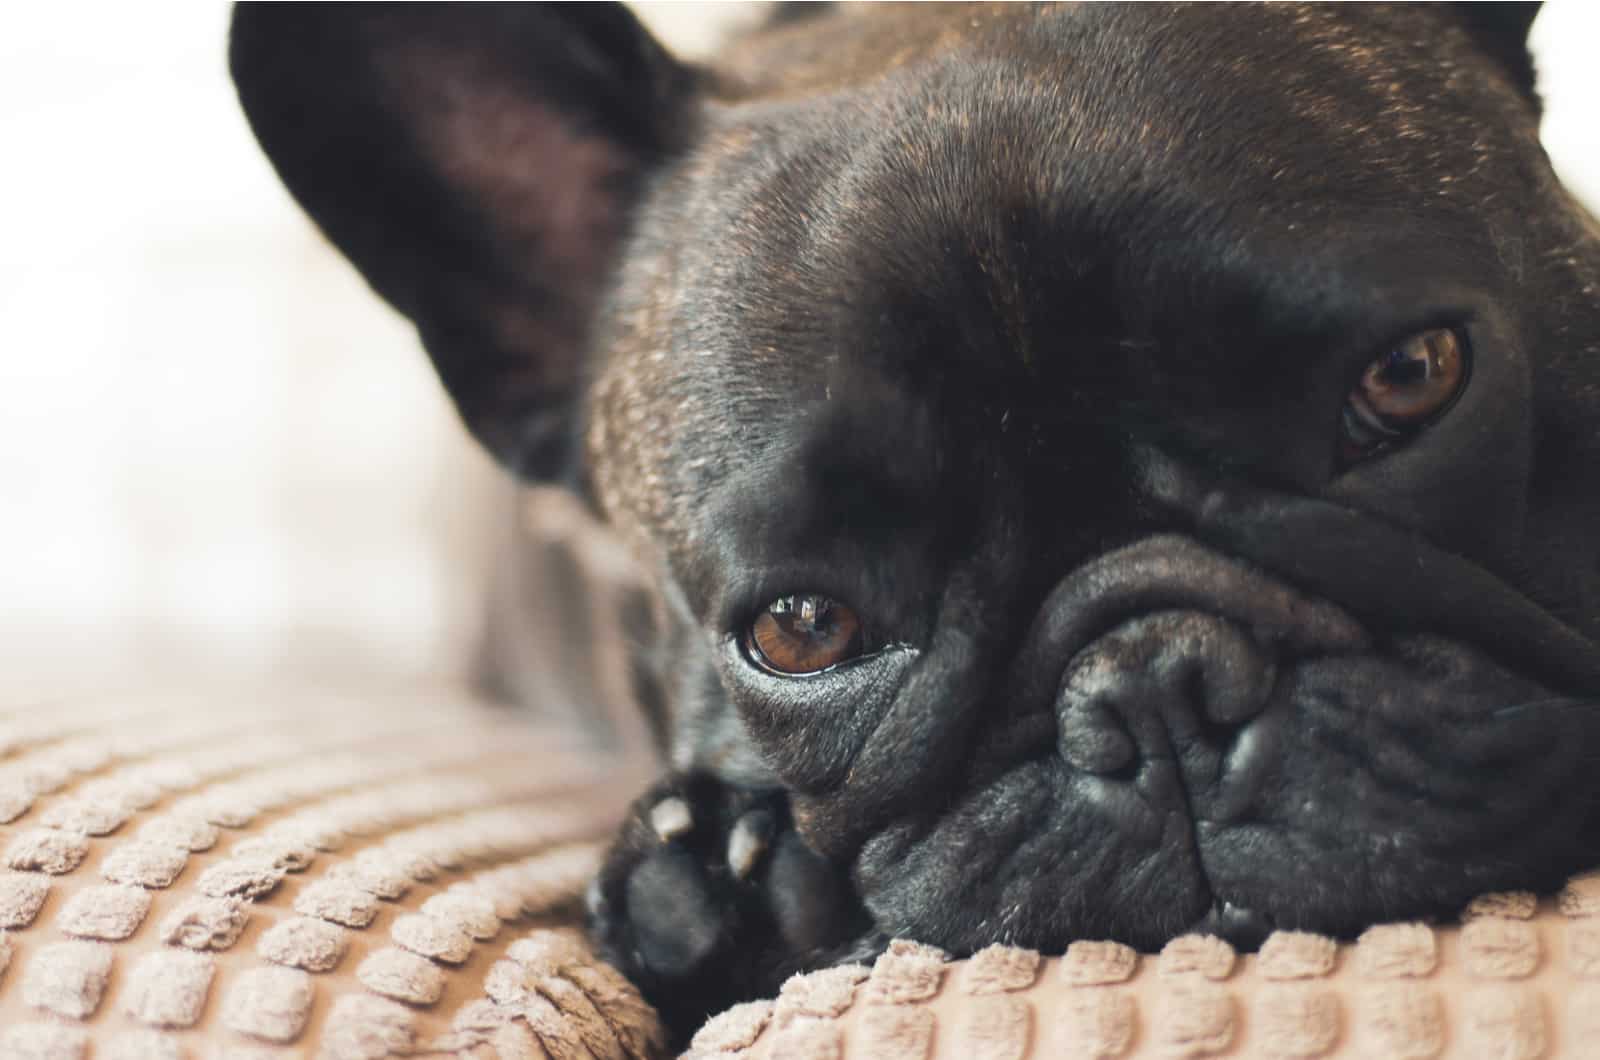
<point x="1131" y="584"/>
<point x="1164" y="572"/>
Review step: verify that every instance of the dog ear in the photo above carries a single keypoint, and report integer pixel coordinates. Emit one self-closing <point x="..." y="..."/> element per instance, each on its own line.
<point x="478" y="164"/>
<point x="1501" y="30"/>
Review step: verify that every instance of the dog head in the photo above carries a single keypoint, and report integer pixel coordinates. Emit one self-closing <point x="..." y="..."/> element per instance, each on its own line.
<point x="1121" y="468"/>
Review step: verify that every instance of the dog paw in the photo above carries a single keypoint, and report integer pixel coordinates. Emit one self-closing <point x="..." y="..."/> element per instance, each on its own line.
<point x="709" y="897"/>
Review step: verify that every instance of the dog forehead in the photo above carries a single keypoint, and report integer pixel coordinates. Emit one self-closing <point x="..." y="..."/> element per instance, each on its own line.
<point x="1028" y="152"/>
<point x="1049" y="154"/>
<point x="850" y="45"/>
<point x="1362" y="81"/>
<point x="1175" y="124"/>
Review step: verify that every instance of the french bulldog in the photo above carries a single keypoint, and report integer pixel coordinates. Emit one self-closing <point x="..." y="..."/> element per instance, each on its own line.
<point x="1107" y="470"/>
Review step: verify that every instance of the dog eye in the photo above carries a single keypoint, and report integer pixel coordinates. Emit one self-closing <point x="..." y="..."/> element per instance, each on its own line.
<point x="805" y="633"/>
<point x="1403" y="391"/>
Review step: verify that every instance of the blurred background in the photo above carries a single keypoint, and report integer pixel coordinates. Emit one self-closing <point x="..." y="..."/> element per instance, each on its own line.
<point x="219" y="453"/>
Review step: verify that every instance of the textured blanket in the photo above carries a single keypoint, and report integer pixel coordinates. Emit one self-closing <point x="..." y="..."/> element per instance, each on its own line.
<point x="300" y="874"/>
<point x="309" y="873"/>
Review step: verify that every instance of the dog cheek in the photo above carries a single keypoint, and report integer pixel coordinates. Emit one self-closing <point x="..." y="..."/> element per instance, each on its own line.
<point x="810" y="743"/>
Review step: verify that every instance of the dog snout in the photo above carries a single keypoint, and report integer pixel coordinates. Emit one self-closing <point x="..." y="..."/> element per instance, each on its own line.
<point x="1171" y="685"/>
<point x="1159" y="662"/>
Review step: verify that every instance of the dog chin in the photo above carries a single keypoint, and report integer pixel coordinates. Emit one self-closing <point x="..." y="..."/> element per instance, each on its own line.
<point x="1389" y="784"/>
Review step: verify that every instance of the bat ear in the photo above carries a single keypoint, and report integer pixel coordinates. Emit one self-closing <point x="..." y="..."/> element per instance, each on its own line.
<point x="478" y="163"/>
<point x="1501" y="31"/>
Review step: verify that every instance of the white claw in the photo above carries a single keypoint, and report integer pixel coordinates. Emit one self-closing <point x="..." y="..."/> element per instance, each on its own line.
<point x="671" y="818"/>
<point x="746" y="844"/>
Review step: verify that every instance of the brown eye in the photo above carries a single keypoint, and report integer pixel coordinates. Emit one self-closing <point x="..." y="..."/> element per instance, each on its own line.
<point x="1403" y="390"/>
<point x="804" y="634"/>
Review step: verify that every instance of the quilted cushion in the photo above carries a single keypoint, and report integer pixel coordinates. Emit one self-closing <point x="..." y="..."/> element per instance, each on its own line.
<point x="310" y="873"/>
<point x="303" y="873"/>
<point x="1517" y="979"/>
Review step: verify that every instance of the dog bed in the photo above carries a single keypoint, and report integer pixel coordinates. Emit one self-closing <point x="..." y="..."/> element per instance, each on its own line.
<point x="313" y="873"/>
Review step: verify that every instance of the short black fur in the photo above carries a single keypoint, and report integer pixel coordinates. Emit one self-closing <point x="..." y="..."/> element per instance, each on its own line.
<point x="1026" y="331"/>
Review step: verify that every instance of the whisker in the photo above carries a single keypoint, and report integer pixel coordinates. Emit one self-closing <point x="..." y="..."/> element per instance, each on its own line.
<point x="1553" y="703"/>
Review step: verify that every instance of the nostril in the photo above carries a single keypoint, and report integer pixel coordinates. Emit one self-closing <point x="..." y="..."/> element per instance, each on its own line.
<point x="1217" y="729"/>
<point x="1094" y="740"/>
<point x="1162" y="682"/>
<point x="1235" y="675"/>
<point x="1093" y="722"/>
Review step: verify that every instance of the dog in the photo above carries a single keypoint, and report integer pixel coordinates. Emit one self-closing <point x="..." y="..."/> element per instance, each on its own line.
<point x="1108" y="471"/>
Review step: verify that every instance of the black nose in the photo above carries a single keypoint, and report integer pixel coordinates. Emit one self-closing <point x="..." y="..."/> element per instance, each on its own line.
<point x="1171" y="685"/>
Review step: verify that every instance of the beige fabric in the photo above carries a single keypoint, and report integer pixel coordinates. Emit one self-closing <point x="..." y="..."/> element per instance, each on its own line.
<point x="1517" y="979"/>
<point x="305" y="873"/>
<point x="312" y="873"/>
